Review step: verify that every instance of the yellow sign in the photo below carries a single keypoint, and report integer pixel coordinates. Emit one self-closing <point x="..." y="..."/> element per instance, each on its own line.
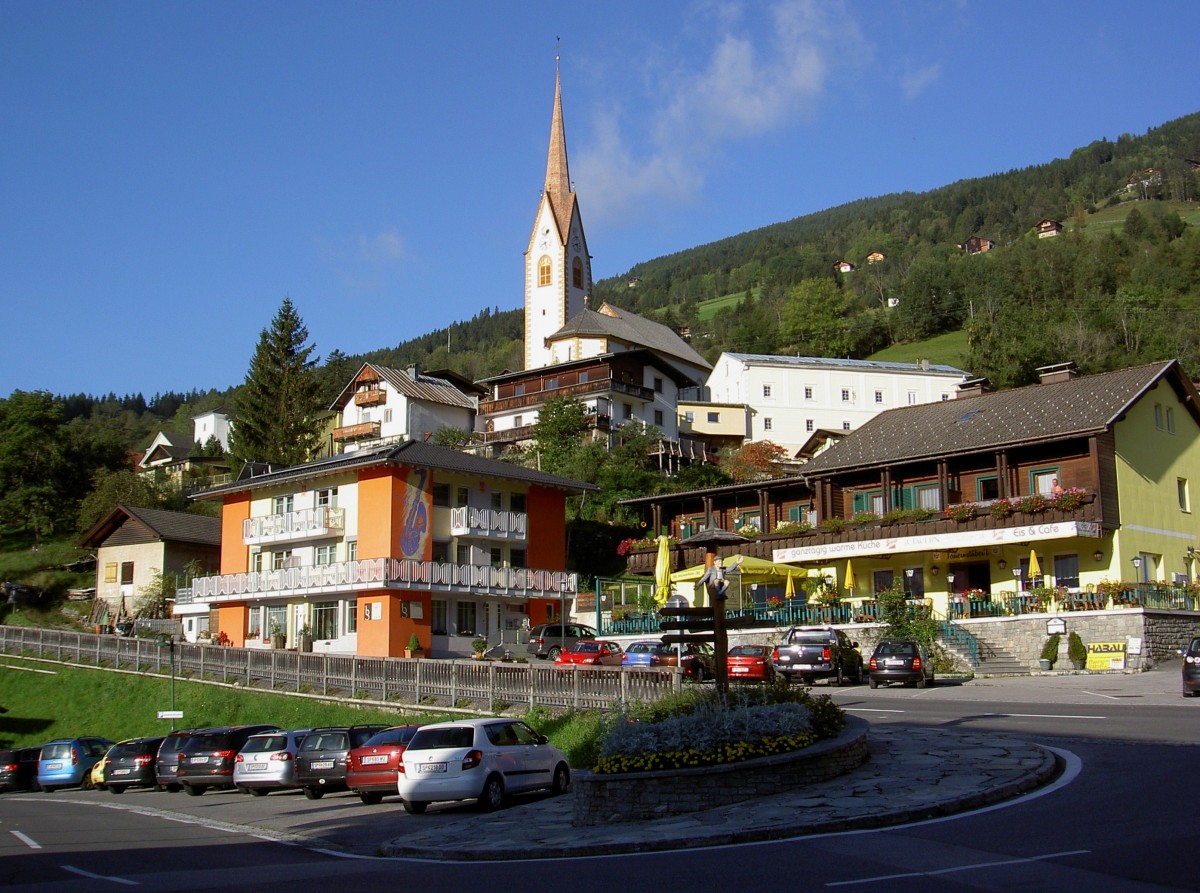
<point x="1106" y="655"/>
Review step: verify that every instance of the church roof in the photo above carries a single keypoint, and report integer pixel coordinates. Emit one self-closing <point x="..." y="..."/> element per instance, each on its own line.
<point x="558" y="177"/>
<point x="612" y="322"/>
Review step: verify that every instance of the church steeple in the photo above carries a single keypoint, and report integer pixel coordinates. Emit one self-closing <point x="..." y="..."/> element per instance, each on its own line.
<point x="558" y="177"/>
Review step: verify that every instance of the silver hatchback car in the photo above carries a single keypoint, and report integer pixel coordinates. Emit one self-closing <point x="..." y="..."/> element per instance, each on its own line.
<point x="267" y="762"/>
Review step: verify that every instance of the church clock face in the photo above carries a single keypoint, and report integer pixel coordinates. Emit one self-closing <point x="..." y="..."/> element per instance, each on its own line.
<point x="575" y="242"/>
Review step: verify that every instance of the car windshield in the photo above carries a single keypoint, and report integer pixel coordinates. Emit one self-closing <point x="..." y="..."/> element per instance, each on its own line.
<point x="642" y="648"/>
<point x="817" y="638"/>
<point x="197" y="743"/>
<point x="173" y="744"/>
<point x="326" y="741"/>
<point x="585" y="647"/>
<point x="896" y="649"/>
<point x="56" y="751"/>
<point x="450" y="736"/>
<point x="747" y="651"/>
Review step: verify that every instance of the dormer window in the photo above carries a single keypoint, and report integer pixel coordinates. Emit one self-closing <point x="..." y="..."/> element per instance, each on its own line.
<point x="544" y="271"/>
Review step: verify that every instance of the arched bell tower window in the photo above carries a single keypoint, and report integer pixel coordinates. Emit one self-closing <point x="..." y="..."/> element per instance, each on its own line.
<point x="544" y="270"/>
<point x="577" y="273"/>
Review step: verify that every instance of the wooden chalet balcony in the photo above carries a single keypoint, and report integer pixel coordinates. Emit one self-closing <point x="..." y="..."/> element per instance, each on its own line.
<point x="642" y="562"/>
<point x="510" y="435"/>
<point x="370" y="397"/>
<point x="364" y="431"/>
<point x="534" y="398"/>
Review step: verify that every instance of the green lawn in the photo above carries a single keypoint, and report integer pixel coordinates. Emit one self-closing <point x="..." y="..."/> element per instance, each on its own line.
<point x="949" y="349"/>
<point x="1112" y="218"/>
<point x="706" y="310"/>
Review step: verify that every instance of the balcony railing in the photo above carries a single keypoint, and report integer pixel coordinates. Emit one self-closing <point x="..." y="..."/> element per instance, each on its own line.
<point x="370" y="397"/>
<point x="509" y="435"/>
<point x="488" y="523"/>
<point x="322" y="521"/>
<point x="534" y="398"/>
<point x="378" y="574"/>
<point x="362" y="431"/>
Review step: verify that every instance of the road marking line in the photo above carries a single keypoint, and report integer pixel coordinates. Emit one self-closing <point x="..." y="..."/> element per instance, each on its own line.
<point x="1042" y="716"/>
<point x="27" y="840"/>
<point x="1099" y="694"/>
<point x="1026" y="860"/>
<point x="871" y="710"/>
<point x="100" y="877"/>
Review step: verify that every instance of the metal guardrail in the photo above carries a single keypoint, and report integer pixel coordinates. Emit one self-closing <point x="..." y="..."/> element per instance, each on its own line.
<point x="453" y="683"/>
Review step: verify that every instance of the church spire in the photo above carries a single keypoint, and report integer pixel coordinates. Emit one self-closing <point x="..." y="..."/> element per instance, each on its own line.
<point x="558" y="178"/>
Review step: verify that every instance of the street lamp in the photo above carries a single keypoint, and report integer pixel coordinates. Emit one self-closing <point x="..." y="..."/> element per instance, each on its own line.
<point x="168" y="641"/>
<point x="562" y="615"/>
<point x="1017" y="577"/>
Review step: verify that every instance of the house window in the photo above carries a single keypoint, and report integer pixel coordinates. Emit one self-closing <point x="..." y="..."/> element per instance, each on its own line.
<point x="914" y="582"/>
<point x="519" y="390"/>
<point x="577" y="273"/>
<point x="437" y="617"/>
<point x="658" y="417"/>
<point x="466" y="616"/>
<point x="518" y="421"/>
<point x="1043" y="481"/>
<point x="1181" y="490"/>
<point x="689" y="417"/>
<point x="658" y="385"/>
<point x="516" y="502"/>
<point x="1066" y="571"/>
<point x="987" y="488"/>
<point x="387" y="415"/>
<point x="281" y="505"/>
<point x="279" y="560"/>
<point x="714" y="417"/>
<point x="516" y="557"/>
<point x="110" y="572"/>
<point x="276" y="619"/>
<point x="352" y="616"/>
<point x="945" y="397"/>
<point x="767" y="424"/>
<point x="766" y="390"/>
<point x="326" y="554"/>
<point x="497" y="500"/>
<point x="126" y="573"/>
<point x="327" y="497"/>
<point x="845" y="395"/>
<point x="583" y="378"/>
<point x="462" y="555"/>
<point x="256" y="562"/>
<point x="441" y="495"/>
<point x="1170" y="420"/>
<point x="460" y="496"/>
<point x="440" y="552"/>
<point x="496" y="556"/>
<point x="544" y="271"/>
<point x="879" y="397"/>
<point x="627" y="410"/>
<point x="551" y="384"/>
<point x="808" y="424"/>
<point x="882" y="581"/>
<point x="324" y="620"/>
<point x="808" y="393"/>
<point x="929" y="497"/>
<point x="352" y="550"/>
<point x="912" y="398"/>
<point x="845" y="426"/>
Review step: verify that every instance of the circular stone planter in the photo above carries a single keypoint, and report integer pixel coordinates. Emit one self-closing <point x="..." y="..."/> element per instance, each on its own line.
<point x="639" y="796"/>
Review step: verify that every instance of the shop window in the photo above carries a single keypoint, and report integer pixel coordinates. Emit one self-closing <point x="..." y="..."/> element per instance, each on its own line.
<point x="324" y="620"/>
<point x="352" y="616"/>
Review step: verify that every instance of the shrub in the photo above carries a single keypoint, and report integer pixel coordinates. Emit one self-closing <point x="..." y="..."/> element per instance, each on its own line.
<point x="864" y="519"/>
<point x="1076" y="650"/>
<point x="1050" y="649"/>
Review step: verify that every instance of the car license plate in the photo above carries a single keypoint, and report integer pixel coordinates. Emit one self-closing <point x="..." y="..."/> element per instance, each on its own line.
<point x="740" y="669"/>
<point x="120" y="772"/>
<point x="54" y="765"/>
<point x="321" y="764"/>
<point x="197" y="759"/>
<point x="374" y="759"/>
<point x="257" y="767"/>
<point x="429" y="768"/>
<point x="894" y="663"/>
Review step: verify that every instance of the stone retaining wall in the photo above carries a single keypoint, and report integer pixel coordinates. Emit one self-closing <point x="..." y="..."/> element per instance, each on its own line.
<point x="637" y="796"/>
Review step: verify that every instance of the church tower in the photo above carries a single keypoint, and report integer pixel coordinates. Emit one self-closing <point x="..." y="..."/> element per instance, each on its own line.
<point x="558" y="270"/>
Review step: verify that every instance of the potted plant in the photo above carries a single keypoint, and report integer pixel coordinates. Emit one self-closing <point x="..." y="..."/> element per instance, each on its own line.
<point x="479" y="646"/>
<point x="278" y="637"/>
<point x="306" y="638"/>
<point x="1049" y="653"/>
<point x="414" y="648"/>
<point x="1076" y="651"/>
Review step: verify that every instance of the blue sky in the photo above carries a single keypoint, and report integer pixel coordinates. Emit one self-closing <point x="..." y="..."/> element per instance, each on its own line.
<point x="169" y="171"/>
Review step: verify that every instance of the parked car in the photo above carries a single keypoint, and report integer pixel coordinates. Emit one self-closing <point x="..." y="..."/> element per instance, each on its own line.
<point x="591" y="653"/>
<point x="809" y="653"/>
<point x="68" y="762"/>
<point x="751" y="662"/>
<point x="267" y="762"/>
<point x="19" y="768"/>
<point x="166" y="764"/>
<point x="372" y="768"/>
<point x="646" y="653"/>
<point x="96" y="776"/>
<point x="900" y="660"/>
<point x="1191" y="668"/>
<point x="546" y="640"/>
<point x="130" y="764"/>
<point x="484" y="759"/>
<point x="697" y="659"/>
<point x="321" y="760"/>
<point x="208" y="756"/>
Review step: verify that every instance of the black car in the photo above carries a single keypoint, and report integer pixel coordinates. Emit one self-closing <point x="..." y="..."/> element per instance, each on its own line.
<point x="900" y="660"/>
<point x="18" y="769"/>
<point x="130" y="764"/>
<point x="166" y="764"/>
<point x="1191" y="669"/>
<point x="207" y="758"/>
<point x="321" y="760"/>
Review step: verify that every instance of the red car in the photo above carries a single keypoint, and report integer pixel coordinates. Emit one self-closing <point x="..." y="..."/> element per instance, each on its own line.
<point x="751" y="662"/>
<point x="372" y="768"/>
<point x="592" y="653"/>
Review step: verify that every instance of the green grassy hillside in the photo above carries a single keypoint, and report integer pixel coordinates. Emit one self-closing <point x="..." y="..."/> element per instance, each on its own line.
<point x="949" y="349"/>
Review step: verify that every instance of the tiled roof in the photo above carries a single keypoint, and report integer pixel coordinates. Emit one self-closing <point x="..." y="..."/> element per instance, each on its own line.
<point x="417" y="386"/>
<point x="176" y="527"/>
<point x="756" y="359"/>
<point x="414" y="453"/>
<point x="612" y="322"/>
<point x="1043" y="412"/>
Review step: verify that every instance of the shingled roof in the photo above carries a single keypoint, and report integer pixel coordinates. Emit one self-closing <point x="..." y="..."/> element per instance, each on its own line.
<point x="1044" y="412"/>
<point x="612" y="322"/>
<point x="411" y="452"/>
<point x="159" y="524"/>
<point x="414" y="384"/>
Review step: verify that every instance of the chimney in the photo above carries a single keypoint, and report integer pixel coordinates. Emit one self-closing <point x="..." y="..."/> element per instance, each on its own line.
<point x="972" y="387"/>
<point x="1057" y="372"/>
<point x="413" y="371"/>
<point x="923" y="364"/>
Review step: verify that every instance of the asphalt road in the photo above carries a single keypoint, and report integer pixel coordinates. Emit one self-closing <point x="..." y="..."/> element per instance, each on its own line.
<point x="1118" y="821"/>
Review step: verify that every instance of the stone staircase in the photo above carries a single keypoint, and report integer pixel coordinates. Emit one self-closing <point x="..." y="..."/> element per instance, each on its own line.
<point x="993" y="661"/>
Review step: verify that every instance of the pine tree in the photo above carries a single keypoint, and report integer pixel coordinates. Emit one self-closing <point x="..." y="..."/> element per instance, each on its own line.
<point x="277" y="410"/>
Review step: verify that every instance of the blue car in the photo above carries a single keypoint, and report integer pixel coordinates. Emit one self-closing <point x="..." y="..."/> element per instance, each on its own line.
<point x="68" y="762"/>
<point x="642" y="654"/>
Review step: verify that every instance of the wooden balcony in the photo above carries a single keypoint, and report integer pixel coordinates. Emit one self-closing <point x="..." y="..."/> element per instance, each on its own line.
<point x="370" y="397"/>
<point x="535" y="398"/>
<point x="365" y="431"/>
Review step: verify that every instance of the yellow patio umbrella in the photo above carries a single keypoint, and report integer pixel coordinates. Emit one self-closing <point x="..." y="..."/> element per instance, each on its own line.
<point x="662" y="571"/>
<point x="790" y="590"/>
<point x="849" y="581"/>
<point x="1035" y="569"/>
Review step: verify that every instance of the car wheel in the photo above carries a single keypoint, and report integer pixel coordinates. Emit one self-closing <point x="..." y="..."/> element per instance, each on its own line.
<point x="873" y="683"/>
<point x="553" y="653"/>
<point x="116" y="789"/>
<point x="370" y="798"/>
<point x="256" y="792"/>
<point x="492" y="797"/>
<point x="562" y="779"/>
<point x="86" y="782"/>
<point x="921" y="681"/>
<point x="414" y="807"/>
<point x="48" y="788"/>
<point x="839" y="678"/>
<point x="193" y="790"/>
<point x="858" y="674"/>
<point x="313" y="793"/>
